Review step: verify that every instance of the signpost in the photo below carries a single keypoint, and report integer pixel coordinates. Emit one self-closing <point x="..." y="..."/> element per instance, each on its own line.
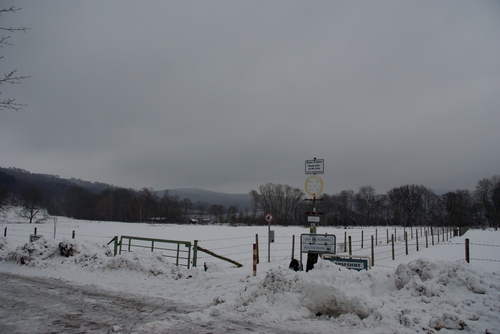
<point x="314" y="187"/>
<point x="269" y="218"/>
<point x="314" y="244"/>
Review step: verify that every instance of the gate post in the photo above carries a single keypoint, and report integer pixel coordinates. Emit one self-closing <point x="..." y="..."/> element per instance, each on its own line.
<point x="195" y="252"/>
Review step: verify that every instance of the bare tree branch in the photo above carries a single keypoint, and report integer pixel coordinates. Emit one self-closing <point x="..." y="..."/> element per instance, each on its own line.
<point x="11" y="77"/>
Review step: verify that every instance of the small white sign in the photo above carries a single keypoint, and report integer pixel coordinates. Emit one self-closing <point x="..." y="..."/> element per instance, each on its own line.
<point x="315" y="166"/>
<point x="313" y="219"/>
<point x="317" y="248"/>
<point x="307" y="238"/>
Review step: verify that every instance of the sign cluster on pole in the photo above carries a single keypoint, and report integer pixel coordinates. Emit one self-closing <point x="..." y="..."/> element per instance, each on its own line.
<point x="314" y="187"/>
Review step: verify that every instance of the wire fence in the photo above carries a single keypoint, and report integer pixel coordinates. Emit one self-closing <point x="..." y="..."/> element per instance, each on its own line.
<point x="383" y="245"/>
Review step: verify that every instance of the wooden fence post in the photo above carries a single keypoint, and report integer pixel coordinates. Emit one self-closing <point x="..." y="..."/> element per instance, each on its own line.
<point x="361" y="239"/>
<point x="467" y="250"/>
<point x="392" y="240"/>
<point x="406" y="242"/>
<point x="255" y="259"/>
<point x="293" y="245"/>
<point x="345" y="241"/>
<point x="426" y="239"/>
<point x="416" y="235"/>
<point x="5" y="232"/>
<point x="350" y="246"/>
<point x="257" y="244"/>
<point x="373" y="252"/>
<point x="73" y="235"/>
<point x="195" y="252"/>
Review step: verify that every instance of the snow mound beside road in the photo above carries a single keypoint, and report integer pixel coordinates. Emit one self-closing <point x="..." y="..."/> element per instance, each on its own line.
<point x="422" y="296"/>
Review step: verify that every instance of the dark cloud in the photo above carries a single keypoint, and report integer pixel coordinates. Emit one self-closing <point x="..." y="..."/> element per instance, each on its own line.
<point x="229" y="95"/>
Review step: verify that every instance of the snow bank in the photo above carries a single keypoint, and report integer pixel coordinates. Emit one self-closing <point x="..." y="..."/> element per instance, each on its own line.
<point x="422" y="296"/>
<point x="44" y="253"/>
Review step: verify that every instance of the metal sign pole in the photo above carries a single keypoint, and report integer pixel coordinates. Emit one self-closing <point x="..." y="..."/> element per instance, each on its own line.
<point x="269" y="219"/>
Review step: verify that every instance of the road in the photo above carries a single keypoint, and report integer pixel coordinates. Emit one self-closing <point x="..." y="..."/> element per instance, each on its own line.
<point x="47" y="305"/>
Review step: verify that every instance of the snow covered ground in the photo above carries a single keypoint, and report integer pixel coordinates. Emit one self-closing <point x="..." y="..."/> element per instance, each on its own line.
<point x="429" y="291"/>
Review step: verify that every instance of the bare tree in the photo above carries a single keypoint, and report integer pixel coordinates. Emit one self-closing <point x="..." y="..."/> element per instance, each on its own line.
<point x="458" y="207"/>
<point x="11" y="76"/>
<point x="280" y="200"/>
<point x="485" y="196"/>
<point x="365" y="204"/>
<point x="31" y="204"/>
<point x="408" y="203"/>
<point x="217" y="211"/>
<point x="255" y="200"/>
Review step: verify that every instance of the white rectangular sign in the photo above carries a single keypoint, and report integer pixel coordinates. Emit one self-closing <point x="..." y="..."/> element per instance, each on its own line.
<point x="313" y="219"/>
<point x="318" y="239"/>
<point x="317" y="248"/>
<point x="315" y="166"/>
<point x="317" y="243"/>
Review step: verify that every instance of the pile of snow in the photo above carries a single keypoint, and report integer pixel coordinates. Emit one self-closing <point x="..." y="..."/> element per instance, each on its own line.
<point x="44" y="253"/>
<point x="422" y="296"/>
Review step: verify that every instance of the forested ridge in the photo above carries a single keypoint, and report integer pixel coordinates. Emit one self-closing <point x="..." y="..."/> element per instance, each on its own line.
<point x="407" y="205"/>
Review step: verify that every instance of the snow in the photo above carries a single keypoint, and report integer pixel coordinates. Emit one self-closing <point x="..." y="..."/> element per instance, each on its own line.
<point x="432" y="290"/>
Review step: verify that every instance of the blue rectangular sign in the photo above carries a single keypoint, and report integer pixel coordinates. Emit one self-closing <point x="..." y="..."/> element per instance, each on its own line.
<point x="356" y="264"/>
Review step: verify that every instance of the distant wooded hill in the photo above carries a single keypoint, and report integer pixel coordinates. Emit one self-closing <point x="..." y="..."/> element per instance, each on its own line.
<point x="242" y="201"/>
<point x="55" y="190"/>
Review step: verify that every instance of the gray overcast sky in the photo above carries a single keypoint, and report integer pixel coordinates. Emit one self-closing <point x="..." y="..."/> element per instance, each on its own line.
<point x="229" y="95"/>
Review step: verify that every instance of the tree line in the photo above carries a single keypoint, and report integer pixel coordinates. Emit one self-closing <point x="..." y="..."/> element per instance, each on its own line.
<point x="408" y="205"/>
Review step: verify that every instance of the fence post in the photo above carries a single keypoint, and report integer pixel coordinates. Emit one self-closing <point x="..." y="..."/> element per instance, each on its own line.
<point x="392" y="241"/>
<point x="35" y="230"/>
<point x="293" y="245"/>
<point x="195" y="253"/>
<point x="416" y="235"/>
<point x="257" y="243"/>
<point x="373" y="251"/>
<point x="361" y="239"/>
<point x="115" y="248"/>
<point x="432" y="236"/>
<point x="255" y="259"/>
<point x="387" y="232"/>
<point x="73" y="235"/>
<point x="350" y="246"/>
<point x="406" y="242"/>
<point x="467" y="254"/>
<point x="5" y="232"/>
<point x="426" y="239"/>
<point x="345" y="241"/>
<point x="395" y="236"/>
<point x="376" y="239"/>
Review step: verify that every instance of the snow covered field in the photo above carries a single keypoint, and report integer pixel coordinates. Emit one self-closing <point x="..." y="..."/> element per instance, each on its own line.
<point x="429" y="291"/>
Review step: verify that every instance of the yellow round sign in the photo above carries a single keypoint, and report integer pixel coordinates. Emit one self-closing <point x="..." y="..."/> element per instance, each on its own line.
<point x="314" y="185"/>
